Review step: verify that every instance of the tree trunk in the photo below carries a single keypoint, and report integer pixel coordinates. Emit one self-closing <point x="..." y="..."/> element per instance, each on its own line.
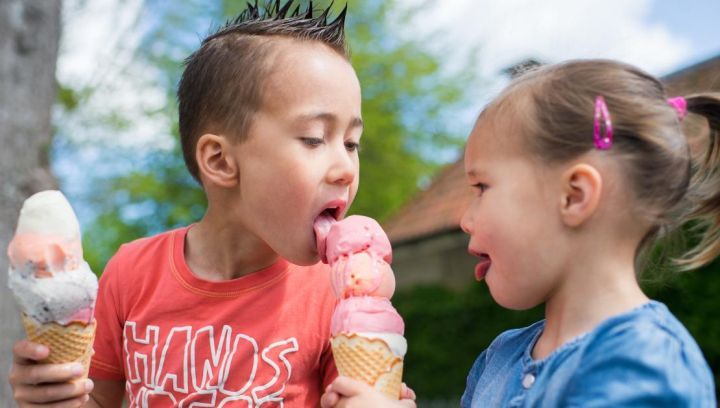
<point x="29" y="37"/>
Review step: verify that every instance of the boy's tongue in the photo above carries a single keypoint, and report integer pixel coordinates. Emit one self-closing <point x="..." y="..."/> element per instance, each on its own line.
<point x="322" y="227"/>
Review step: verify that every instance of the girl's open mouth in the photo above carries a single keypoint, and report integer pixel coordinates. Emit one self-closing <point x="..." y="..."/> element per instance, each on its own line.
<point x="482" y="267"/>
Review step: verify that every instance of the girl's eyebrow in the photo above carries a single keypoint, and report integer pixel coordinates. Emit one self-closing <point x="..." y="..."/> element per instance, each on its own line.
<point x="474" y="172"/>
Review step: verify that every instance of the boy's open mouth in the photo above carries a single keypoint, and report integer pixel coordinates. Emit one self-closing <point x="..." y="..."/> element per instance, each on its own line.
<point x="322" y="225"/>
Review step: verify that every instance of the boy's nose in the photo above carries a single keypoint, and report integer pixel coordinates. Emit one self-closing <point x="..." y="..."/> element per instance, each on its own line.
<point x="343" y="171"/>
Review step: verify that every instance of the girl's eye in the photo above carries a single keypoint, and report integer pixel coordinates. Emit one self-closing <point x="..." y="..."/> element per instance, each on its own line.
<point x="312" y="141"/>
<point x="481" y="187"/>
<point x="352" y="146"/>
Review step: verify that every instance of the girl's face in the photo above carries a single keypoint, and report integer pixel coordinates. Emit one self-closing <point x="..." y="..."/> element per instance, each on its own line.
<point x="513" y="220"/>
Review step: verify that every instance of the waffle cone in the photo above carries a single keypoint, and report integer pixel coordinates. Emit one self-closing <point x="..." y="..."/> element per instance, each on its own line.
<point x="67" y="343"/>
<point x="368" y="360"/>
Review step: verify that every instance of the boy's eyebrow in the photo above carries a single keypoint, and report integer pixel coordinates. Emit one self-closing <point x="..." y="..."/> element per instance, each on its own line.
<point x="328" y="117"/>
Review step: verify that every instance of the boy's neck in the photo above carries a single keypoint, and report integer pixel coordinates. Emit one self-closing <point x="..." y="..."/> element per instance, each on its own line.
<point x="600" y="286"/>
<point x="216" y="250"/>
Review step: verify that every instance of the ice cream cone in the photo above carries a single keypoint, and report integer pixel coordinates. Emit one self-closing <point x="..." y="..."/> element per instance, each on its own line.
<point x="370" y="360"/>
<point x="67" y="343"/>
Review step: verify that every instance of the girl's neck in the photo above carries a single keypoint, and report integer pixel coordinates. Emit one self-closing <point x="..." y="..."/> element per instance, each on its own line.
<point x="588" y="295"/>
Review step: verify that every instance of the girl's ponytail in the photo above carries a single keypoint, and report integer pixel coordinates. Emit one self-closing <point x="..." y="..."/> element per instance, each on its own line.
<point x="704" y="190"/>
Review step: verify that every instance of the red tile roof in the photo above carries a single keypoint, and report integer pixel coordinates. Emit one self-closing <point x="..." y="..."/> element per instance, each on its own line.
<point x="436" y="209"/>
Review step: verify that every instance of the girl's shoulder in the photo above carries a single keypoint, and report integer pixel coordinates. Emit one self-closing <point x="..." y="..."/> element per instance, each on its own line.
<point x="646" y="347"/>
<point x="648" y="326"/>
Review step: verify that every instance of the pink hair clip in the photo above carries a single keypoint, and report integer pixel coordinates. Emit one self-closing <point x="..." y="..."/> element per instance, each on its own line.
<point x="680" y="105"/>
<point x="602" y="131"/>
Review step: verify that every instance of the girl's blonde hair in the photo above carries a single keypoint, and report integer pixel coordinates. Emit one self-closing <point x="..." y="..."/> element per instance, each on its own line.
<point x="553" y="108"/>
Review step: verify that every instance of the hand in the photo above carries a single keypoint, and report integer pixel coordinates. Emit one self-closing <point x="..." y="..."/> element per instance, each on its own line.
<point x="46" y="385"/>
<point x="346" y="392"/>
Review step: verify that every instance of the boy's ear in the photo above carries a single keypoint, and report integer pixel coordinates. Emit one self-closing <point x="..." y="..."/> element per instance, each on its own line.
<point x="215" y="164"/>
<point x="581" y="191"/>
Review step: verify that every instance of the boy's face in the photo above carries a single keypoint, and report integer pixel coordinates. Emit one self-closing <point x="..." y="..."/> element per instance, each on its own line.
<point x="300" y="158"/>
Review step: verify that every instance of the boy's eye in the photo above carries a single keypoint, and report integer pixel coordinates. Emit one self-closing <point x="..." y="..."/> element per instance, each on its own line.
<point x="352" y="146"/>
<point x="312" y="141"/>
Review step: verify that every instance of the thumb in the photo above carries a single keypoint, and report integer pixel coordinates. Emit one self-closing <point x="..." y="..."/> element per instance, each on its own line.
<point x="348" y="387"/>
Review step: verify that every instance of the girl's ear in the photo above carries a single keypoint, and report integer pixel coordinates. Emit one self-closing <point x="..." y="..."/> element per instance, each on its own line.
<point x="215" y="163"/>
<point x="581" y="191"/>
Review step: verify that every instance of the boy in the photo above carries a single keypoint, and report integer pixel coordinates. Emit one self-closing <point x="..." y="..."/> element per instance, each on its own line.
<point x="234" y="309"/>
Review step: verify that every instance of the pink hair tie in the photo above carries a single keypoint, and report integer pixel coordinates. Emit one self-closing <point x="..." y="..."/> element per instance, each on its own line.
<point x="680" y="105"/>
<point x="602" y="130"/>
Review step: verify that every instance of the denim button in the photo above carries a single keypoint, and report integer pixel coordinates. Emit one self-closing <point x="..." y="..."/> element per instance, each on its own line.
<point x="528" y="381"/>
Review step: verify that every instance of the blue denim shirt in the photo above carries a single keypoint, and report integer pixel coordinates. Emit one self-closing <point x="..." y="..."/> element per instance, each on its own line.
<point x="642" y="358"/>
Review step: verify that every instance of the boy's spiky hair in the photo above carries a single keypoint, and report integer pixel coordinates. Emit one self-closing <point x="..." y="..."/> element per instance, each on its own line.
<point x="220" y="89"/>
<point x="307" y="24"/>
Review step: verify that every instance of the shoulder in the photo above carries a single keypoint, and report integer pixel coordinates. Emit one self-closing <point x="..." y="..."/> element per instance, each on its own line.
<point x="163" y="241"/>
<point x="644" y="356"/>
<point x="144" y="249"/>
<point x="133" y="260"/>
<point x="642" y="333"/>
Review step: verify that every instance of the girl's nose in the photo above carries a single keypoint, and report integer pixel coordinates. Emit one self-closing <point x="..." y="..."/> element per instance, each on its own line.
<point x="466" y="222"/>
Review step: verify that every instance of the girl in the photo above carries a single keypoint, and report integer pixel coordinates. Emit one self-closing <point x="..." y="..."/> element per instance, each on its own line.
<point x="579" y="169"/>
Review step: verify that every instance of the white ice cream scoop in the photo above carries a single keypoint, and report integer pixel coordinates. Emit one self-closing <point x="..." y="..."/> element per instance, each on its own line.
<point x="47" y="274"/>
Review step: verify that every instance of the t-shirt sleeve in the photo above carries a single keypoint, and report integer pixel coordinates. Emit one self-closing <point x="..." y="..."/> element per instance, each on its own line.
<point x="640" y="366"/>
<point x="107" y="361"/>
<point x="472" y="379"/>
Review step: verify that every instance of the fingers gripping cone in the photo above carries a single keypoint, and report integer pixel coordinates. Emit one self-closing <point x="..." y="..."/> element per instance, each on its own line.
<point x="67" y="344"/>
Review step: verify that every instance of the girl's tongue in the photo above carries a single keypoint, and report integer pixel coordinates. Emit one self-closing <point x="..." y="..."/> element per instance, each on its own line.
<point x="322" y="227"/>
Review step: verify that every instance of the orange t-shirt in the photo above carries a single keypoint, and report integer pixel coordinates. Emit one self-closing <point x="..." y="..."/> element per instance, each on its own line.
<point x="177" y="340"/>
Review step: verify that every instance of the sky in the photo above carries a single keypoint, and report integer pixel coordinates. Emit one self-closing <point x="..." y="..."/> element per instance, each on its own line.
<point x="659" y="36"/>
<point x="100" y="36"/>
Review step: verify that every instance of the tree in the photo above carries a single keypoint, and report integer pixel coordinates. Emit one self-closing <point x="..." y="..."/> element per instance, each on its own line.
<point x="29" y="39"/>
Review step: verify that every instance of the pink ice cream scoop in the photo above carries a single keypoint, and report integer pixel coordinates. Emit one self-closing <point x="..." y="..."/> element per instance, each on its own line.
<point x="358" y="314"/>
<point x="359" y="252"/>
<point x="356" y="234"/>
